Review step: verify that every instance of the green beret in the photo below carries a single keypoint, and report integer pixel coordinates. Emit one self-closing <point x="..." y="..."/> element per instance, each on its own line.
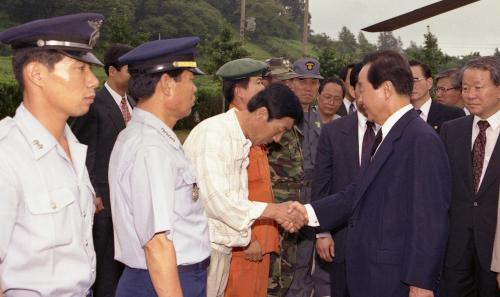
<point x="241" y="68"/>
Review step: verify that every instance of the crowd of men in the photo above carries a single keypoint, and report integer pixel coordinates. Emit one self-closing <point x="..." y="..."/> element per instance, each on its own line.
<point x="357" y="185"/>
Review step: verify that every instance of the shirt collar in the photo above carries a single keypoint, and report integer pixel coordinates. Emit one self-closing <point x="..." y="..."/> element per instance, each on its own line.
<point x="145" y="117"/>
<point x="114" y="94"/>
<point x="347" y="104"/>
<point x="237" y="132"/>
<point x="493" y="120"/>
<point x="38" y="137"/>
<point x="426" y="107"/>
<point x="391" y="121"/>
<point x="362" y="121"/>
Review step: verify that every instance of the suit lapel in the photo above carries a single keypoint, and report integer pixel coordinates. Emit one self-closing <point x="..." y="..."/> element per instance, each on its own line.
<point x="350" y="131"/>
<point x="114" y="111"/>
<point x="464" y="143"/>
<point x="370" y="171"/>
<point x="433" y="117"/>
<point x="492" y="171"/>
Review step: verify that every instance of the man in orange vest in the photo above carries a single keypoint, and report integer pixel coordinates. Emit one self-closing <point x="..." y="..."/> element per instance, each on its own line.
<point x="249" y="270"/>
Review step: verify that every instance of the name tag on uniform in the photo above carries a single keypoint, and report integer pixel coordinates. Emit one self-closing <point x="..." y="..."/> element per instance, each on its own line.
<point x="196" y="192"/>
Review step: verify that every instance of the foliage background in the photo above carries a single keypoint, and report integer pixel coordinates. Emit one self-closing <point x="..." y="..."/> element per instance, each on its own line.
<point x="277" y="34"/>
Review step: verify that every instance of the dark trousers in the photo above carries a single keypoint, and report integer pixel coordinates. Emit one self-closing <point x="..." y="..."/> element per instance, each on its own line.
<point x="338" y="280"/>
<point x="108" y="271"/>
<point x="137" y="283"/>
<point x="468" y="278"/>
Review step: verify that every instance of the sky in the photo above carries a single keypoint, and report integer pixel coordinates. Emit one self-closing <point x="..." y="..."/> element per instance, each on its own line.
<point x="471" y="28"/>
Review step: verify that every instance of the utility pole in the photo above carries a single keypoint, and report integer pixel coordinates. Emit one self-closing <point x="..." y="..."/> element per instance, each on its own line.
<point x="242" y="22"/>
<point x="306" y="26"/>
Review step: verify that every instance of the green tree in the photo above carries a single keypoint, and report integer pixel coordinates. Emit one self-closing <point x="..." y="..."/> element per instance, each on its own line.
<point x="347" y="42"/>
<point x="331" y="61"/>
<point x="364" y="46"/>
<point x="496" y="53"/>
<point x="387" y="41"/>
<point x="119" y="28"/>
<point x="432" y="54"/>
<point x="222" y="49"/>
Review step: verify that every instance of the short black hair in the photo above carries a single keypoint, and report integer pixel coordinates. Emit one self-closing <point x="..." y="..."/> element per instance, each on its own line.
<point x="112" y="54"/>
<point x="344" y="70"/>
<point x="425" y="68"/>
<point x="279" y="101"/>
<point x="334" y="80"/>
<point x="388" y="65"/>
<point x="228" y="87"/>
<point x="353" y="79"/>
<point x="142" y="85"/>
<point x="23" y="56"/>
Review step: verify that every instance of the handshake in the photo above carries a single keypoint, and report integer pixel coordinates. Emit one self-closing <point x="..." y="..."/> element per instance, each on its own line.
<point x="291" y="215"/>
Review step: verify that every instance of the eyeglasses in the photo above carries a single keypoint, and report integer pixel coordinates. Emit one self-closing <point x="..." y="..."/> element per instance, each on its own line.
<point x="415" y="79"/>
<point x="444" y="90"/>
<point x="328" y="99"/>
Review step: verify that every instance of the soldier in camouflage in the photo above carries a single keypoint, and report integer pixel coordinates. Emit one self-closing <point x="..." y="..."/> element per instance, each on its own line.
<point x="287" y="175"/>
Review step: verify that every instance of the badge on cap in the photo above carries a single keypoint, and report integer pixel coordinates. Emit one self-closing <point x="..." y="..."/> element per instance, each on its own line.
<point x="196" y="192"/>
<point x="310" y="65"/>
<point x="96" y="25"/>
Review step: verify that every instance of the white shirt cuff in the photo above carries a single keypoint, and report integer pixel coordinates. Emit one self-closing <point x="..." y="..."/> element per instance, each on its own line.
<point x="323" y="235"/>
<point x="311" y="215"/>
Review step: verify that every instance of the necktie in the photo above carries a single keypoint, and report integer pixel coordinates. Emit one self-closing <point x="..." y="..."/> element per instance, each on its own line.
<point x="418" y="111"/>
<point x="352" y="108"/>
<point x="376" y="143"/>
<point x="368" y="139"/>
<point x="478" y="154"/>
<point x="124" y="108"/>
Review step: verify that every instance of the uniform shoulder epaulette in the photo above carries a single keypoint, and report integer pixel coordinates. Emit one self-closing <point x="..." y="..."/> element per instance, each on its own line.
<point x="6" y="125"/>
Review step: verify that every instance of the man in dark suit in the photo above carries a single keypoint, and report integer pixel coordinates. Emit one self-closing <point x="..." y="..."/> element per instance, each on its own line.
<point x="338" y="160"/>
<point x="397" y="210"/>
<point x="474" y="153"/>
<point x="434" y="113"/>
<point x="349" y="105"/>
<point x="98" y="129"/>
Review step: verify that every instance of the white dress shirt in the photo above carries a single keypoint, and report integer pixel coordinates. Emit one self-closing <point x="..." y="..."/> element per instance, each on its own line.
<point x="117" y="97"/>
<point x="46" y="212"/>
<point x="425" y="108"/>
<point x="491" y="138"/>
<point x="219" y="152"/>
<point x="386" y="128"/>
<point x="151" y="184"/>
<point x="347" y="104"/>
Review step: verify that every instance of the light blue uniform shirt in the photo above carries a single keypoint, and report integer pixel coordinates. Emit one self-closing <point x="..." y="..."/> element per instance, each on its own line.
<point x="151" y="185"/>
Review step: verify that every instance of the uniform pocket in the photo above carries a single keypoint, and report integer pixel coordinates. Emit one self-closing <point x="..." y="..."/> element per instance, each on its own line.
<point x="51" y="217"/>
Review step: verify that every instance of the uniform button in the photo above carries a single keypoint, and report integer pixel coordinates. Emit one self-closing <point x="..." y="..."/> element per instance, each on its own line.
<point x="84" y="214"/>
<point x="475" y="203"/>
<point x="53" y="205"/>
<point x="86" y="243"/>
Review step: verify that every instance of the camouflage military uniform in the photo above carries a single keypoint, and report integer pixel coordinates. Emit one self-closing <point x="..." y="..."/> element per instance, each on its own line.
<point x="287" y="174"/>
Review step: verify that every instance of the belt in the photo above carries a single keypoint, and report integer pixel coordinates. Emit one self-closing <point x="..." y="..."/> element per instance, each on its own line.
<point x="193" y="267"/>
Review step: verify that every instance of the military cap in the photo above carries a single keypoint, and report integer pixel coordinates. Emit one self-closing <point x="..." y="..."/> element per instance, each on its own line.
<point x="73" y="35"/>
<point x="241" y="68"/>
<point x="307" y="68"/>
<point x="163" y="55"/>
<point x="279" y="68"/>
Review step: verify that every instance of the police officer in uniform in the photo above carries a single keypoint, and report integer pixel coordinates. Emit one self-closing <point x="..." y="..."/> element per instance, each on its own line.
<point x="46" y="198"/>
<point x="161" y="230"/>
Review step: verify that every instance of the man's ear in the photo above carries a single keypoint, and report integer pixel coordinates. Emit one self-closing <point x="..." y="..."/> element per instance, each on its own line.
<point x="429" y="83"/>
<point x="262" y="113"/>
<point x="167" y="85"/>
<point x="112" y="71"/>
<point x="388" y="89"/>
<point x="35" y="73"/>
